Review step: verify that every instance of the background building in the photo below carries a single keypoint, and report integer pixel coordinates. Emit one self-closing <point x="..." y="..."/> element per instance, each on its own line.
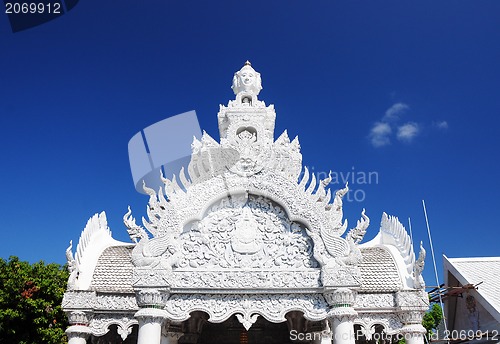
<point x="472" y="300"/>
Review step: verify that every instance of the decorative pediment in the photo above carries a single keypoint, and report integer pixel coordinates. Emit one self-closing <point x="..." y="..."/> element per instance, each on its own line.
<point x="242" y="241"/>
<point x="246" y="232"/>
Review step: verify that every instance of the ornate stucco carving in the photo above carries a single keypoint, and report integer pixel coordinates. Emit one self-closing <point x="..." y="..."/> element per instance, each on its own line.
<point x="375" y="301"/>
<point x="394" y="233"/>
<point x="418" y="268"/>
<point x="247" y="80"/>
<point x="340" y="267"/>
<point x="354" y="237"/>
<point x="408" y="300"/>
<point x="248" y="281"/>
<point x="91" y="301"/>
<point x="79" y="317"/>
<point x="389" y="321"/>
<point x="220" y="307"/>
<point x="151" y="297"/>
<point x="99" y="325"/>
<point x="412" y="320"/>
<point x="150" y="277"/>
<point x="161" y="249"/>
<point x="412" y="305"/>
<point x="83" y="300"/>
<point x="238" y="232"/>
<point x="72" y="266"/>
<point x="413" y="317"/>
<point x="174" y="249"/>
<point x="340" y="297"/>
<point x="247" y="232"/>
<point x="115" y="302"/>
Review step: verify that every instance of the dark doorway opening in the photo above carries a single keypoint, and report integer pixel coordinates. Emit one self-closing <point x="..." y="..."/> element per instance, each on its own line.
<point x="232" y="331"/>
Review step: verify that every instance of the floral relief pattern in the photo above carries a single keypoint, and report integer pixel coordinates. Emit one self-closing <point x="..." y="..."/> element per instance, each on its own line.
<point x="245" y="279"/>
<point x="100" y="324"/>
<point x="273" y="307"/>
<point x="246" y="231"/>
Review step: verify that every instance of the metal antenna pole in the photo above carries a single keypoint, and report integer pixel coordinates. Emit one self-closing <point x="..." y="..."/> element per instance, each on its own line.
<point x="411" y="233"/>
<point x="435" y="269"/>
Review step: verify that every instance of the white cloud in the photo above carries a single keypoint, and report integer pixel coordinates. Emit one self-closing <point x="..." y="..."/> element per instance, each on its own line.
<point x="379" y="134"/>
<point x="395" y="111"/>
<point x="408" y="131"/>
<point x="441" y="125"/>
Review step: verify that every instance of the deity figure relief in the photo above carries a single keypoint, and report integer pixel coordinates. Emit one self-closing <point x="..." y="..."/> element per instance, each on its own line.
<point x="248" y="150"/>
<point x="245" y="238"/>
<point x="247" y="80"/>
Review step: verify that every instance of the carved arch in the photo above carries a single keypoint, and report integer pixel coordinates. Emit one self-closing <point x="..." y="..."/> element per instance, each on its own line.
<point x="245" y="230"/>
<point x="389" y="322"/>
<point x="100" y="324"/>
<point x="297" y="205"/>
<point x="284" y="201"/>
<point x="247" y="308"/>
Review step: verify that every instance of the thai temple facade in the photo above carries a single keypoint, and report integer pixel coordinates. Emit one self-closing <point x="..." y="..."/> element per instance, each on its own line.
<point x="246" y="246"/>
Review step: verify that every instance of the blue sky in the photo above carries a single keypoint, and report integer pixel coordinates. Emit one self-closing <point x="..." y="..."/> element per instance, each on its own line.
<point x="407" y="90"/>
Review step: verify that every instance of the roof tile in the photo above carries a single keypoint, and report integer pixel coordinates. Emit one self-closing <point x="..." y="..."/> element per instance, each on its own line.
<point x="113" y="272"/>
<point x="379" y="270"/>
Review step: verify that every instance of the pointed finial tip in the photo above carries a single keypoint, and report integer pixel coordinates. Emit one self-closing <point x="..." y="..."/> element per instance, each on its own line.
<point x="247" y="63"/>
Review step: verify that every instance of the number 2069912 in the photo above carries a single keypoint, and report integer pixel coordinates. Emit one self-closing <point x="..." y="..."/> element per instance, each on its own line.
<point x="32" y="7"/>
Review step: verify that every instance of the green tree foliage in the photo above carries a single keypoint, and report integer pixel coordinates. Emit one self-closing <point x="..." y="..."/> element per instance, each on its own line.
<point x="432" y="318"/>
<point x="30" y="302"/>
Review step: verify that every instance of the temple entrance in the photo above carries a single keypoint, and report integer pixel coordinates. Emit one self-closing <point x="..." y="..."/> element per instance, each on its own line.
<point x="232" y="331"/>
<point x="262" y="331"/>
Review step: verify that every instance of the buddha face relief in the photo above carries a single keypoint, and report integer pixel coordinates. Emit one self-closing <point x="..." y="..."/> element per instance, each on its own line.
<point x="247" y="80"/>
<point x="247" y="77"/>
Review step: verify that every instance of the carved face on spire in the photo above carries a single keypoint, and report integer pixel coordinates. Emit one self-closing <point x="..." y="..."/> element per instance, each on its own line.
<point x="247" y="80"/>
<point x="247" y="77"/>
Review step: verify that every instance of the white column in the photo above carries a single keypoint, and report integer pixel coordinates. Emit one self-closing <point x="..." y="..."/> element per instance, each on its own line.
<point x="412" y="330"/>
<point x="78" y="331"/>
<point x="150" y="324"/>
<point x="412" y="306"/>
<point x="414" y="336"/>
<point x="77" y="334"/>
<point x="343" y="326"/>
<point x="151" y="314"/>
<point x="342" y="315"/>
